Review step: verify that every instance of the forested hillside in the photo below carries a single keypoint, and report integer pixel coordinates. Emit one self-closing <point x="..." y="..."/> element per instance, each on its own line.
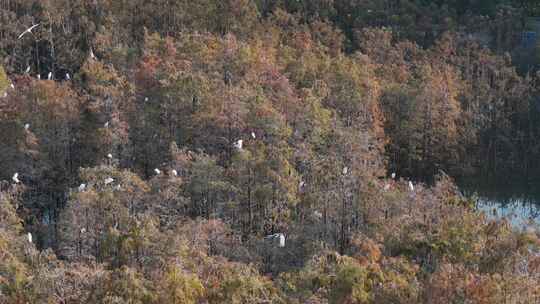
<point x="264" y="151"/>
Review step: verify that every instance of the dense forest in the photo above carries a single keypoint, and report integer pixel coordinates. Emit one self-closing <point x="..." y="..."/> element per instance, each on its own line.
<point x="264" y="151"/>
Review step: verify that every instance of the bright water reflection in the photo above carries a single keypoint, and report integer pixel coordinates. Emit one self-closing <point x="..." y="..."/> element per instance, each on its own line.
<point x="517" y="202"/>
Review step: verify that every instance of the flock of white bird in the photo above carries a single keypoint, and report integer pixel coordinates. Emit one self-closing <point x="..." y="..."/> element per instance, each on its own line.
<point x="28" y="68"/>
<point x="238" y="144"/>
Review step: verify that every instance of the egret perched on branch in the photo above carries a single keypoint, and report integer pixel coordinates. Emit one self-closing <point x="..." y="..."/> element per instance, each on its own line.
<point x="279" y="236"/>
<point x="145" y="99"/>
<point x="68" y="77"/>
<point x="109" y="180"/>
<point x="157" y="171"/>
<point x="238" y="144"/>
<point x="12" y="85"/>
<point x="82" y="187"/>
<point x="83" y="230"/>
<point x="29" y="237"/>
<point x="27" y="126"/>
<point x="39" y="76"/>
<point x="106" y="125"/>
<point x="92" y="54"/>
<point x="109" y="156"/>
<point x="253" y="135"/>
<point x="49" y="76"/>
<point x="174" y="172"/>
<point x="28" y="30"/>
<point x="411" y="186"/>
<point x="345" y="170"/>
<point x="27" y="70"/>
<point x="15" y="178"/>
<point x="393" y="175"/>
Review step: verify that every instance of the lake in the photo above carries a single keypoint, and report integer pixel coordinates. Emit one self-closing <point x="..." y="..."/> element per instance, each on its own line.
<point x="518" y="201"/>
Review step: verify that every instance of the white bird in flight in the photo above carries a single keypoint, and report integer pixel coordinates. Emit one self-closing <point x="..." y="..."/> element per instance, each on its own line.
<point x="109" y="180"/>
<point x="28" y="30"/>
<point x="82" y="187"/>
<point x="29" y="237"/>
<point x="411" y="186"/>
<point x="15" y="178"/>
<point x="238" y="144"/>
<point x="156" y="170"/>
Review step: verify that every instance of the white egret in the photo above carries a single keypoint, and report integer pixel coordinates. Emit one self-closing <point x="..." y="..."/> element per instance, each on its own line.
<point x="106" y="125"/>
<point x="82" y="187"/>
<point x="68" y="77"/>
<point x="411" y="186"/>
<point x="118" y="187"/>
<point x="12" y="85"/>
<point x="109" y="156"/>
<point x="174" y="172"/>
<point x="39" y="76"/>
<point x="109" y="180"/>
<point x="92" y="54"/>
<point x="317" y="214"/>
<point x="28" y="30"/>
<point x="15" y="178"/>
<point x="393" y="175"/>
<point x="49" y="76"/>
<point x="253" y="135"/>
<point x="157" y="171"/>
<point x="27" y="70"/>
<point x="145" y="99"/>
<point x="238" y="144"/>
<point x="281" y="239"/>
<point x="27" y="126"/>
<point x="83" y="230"/>
<point x="345" y="170"/>
<point x="29" y="237"/>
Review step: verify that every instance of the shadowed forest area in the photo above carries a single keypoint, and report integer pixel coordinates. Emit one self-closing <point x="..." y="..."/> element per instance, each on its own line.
<point x="265" y="151"/>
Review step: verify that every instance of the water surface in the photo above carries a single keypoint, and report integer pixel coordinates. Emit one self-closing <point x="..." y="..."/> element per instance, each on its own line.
<point x="518" y="201"/>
